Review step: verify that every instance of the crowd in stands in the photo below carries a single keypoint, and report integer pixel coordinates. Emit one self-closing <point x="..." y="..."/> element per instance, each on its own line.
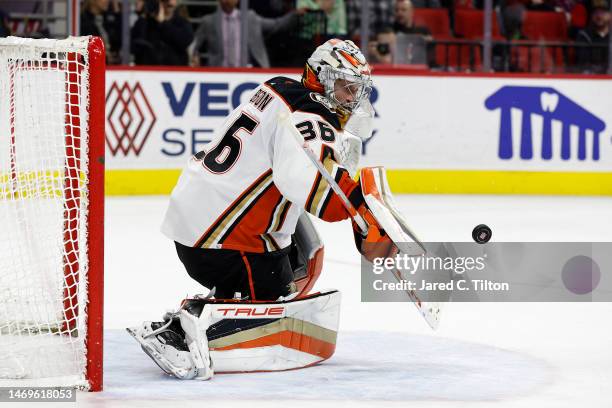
<point x="528" y="35"/>
<point x="103" y="19"/>
<point x="4" y="24"/>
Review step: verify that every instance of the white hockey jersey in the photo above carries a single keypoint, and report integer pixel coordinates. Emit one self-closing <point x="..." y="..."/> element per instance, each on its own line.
<point x="247" y="190"/>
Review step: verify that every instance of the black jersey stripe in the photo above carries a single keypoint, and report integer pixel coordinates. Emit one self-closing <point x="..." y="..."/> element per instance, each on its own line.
<point x="339" y="172"/>
<point x="274" y="215"/>
<point x="283" y="214"/>
<point x="320" y="186"/>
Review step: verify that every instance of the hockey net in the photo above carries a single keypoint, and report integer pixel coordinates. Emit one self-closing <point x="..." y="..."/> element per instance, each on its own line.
<point x="51" y="212"/>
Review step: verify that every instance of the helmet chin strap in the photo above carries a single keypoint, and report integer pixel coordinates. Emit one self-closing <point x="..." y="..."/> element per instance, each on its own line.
<point x="343" y="116"/>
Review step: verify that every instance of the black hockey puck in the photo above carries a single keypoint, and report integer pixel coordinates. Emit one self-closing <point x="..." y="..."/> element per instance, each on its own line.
<point x="482" y="234"/>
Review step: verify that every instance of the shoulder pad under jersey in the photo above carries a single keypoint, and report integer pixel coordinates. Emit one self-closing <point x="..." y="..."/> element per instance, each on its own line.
<point x="299" y="98"/>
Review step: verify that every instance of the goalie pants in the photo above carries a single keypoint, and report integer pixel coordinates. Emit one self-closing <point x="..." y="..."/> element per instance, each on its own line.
<point x="257" y="276"/>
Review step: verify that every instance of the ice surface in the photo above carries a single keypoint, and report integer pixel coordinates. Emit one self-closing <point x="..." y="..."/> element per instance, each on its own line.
<point x="384" y="366"/>
<point x="501" y="354"/>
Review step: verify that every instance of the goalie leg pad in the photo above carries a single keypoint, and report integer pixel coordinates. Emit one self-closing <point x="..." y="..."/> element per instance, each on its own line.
<point x="243" y="336"/>
<point x="274" y="336"/>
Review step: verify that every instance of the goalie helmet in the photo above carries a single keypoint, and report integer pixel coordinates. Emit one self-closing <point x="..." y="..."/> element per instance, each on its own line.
<point x="338" y="70"/>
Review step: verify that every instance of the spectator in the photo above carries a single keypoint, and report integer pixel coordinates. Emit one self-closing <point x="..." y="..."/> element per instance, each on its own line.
<point x="413" y="43"/>
<point x="512" y="12"/>
<point x="5" y="31"/>
<point x="335" y="12"/>
<point x="161" y="35"/>
<point x="382" y="50"/>
<point x="102" y="18"/>
<point x="595" y="59"/>
<point x="272" y="8"/>
<point x="404" y="19"/>
<point x="404" y="42"/>
<point x="137" y="11"/>
<point x="220" y="33"/>
<point x="575" y="12"/>
<point x="380" y="15"/>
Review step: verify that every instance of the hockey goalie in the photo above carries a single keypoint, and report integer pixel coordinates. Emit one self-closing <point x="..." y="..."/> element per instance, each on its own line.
<point x="238" y="219"/>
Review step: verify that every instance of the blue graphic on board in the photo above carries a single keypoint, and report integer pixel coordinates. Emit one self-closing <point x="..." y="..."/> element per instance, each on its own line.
<point x="551" y="105"/>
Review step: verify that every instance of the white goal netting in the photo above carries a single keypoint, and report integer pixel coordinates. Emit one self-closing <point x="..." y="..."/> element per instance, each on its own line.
<point x="43" y="211"/>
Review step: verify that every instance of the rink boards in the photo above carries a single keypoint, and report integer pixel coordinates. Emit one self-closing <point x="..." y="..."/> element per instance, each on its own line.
<point x="435" y="133"/>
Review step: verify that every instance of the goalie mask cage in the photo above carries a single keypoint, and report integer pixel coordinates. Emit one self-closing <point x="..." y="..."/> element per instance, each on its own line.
<point x="51" y="212"/>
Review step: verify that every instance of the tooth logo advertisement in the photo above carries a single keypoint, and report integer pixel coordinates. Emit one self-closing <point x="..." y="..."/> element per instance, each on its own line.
<point x="551" y="105"/>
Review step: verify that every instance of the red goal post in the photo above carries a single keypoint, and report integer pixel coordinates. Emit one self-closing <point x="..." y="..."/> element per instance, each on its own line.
<point x="95" y="239"/>
<point x="52" y="212"/>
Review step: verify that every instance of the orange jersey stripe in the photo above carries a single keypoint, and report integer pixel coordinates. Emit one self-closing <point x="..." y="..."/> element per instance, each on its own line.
<point x="246" y="232"/>
<point x="334" y="209"/>
<point x="225" y="213"/>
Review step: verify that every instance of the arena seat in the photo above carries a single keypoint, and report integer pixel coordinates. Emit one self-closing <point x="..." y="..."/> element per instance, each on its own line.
<point x="544" y="25"/>
<point x="579" y="17"/>
<point x="436" y="19"/>
<point x="438" y="22"/>
<point x="469" y="24"/>
<point x="541" y="26"/>
<point x="537" y="59"/>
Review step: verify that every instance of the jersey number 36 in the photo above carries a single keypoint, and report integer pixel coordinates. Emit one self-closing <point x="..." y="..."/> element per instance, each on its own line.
<point x="310" y="132"/>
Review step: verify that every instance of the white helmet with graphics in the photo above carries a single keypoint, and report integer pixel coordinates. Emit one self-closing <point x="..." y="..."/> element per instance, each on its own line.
<point x="338" y="70"/>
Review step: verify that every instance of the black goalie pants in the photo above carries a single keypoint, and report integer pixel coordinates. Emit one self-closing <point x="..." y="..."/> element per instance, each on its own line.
<point x="265" y="276"/>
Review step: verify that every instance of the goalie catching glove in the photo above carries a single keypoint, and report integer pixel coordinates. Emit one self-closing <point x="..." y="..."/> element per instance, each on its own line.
<point x="376" y="244"/>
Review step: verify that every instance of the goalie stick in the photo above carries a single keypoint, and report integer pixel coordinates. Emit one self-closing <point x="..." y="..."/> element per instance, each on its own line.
<point x="380" y="202"/>
<point x="429" y="310"/>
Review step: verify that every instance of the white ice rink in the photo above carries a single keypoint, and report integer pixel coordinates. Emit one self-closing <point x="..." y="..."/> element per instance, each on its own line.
<point x="485" y="354"/>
